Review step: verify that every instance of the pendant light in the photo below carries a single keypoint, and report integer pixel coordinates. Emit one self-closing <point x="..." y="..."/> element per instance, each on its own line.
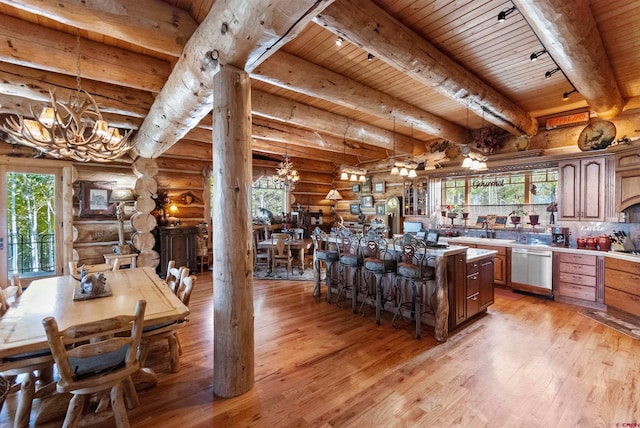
<point x="394" y="169"/>
<point x="412" y="166"/>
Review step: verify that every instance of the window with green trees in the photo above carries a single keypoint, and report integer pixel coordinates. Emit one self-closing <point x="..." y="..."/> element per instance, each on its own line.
<point x="265" y="194"/>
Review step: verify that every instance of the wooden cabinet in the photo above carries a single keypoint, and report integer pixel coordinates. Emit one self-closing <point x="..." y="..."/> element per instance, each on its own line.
<point x="179" y="244"/>
<point x="622" y="285"/>
<point x="470" y="287"/>
<point x="415" y="197"/>
<point x="583" y="187"/>
<point x="579" y="279"/>
<point x="499" y="263"/>
<point x="627" y="165"/>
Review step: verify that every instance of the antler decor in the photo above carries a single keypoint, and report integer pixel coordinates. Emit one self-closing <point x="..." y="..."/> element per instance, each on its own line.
<point x="73" y="130"/>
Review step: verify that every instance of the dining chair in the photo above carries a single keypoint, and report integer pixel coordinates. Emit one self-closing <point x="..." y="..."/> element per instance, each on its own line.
<point x="260" y="256"/>
<point x="175" y="277"/>
<point x="379" y="261"/>
<point x="10" y="293"/>
<point x="281" y="252"/>
<point x="350" y="269"/>
<point x="169" y="331"/>
<point x="170" y="265"/>
<point x="90" y="360"/>
<point x="414" y="268"/>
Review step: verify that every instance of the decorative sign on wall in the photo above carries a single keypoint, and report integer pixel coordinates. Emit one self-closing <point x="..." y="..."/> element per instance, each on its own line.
<point x="567" y="120"/>
<point x="487" y="183"/>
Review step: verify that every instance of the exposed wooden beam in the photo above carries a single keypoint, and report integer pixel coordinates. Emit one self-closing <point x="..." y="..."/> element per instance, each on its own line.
<point x="569" y="33"/>
<point x="293" y="73"/>
<point x="369" y="27"/>
<point x="278" y="148"/>
<point x="236" y="32"/>
<point x="33" y="85"/>
<point x="284" y="110"/>
<point x="35" y="46"/>
<point x="152" y="24"/>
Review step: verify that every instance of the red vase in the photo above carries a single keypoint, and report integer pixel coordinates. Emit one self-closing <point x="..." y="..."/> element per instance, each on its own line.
<point x="582" y="243"/>
<point x="604" y="243"/>
<point x="592" y="243"/>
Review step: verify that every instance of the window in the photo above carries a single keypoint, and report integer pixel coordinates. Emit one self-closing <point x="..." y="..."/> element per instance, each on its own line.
<point x="500" y="193"/>
<point x="265" y="194"/>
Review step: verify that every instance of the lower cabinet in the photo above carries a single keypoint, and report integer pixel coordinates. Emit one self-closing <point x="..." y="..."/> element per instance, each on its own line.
<point x="579" y="279"/>
<point x="622" y="285"/>
<point x="179" y="244"/>
<point x="499" y="263"/>
<point x="470" y="287"/>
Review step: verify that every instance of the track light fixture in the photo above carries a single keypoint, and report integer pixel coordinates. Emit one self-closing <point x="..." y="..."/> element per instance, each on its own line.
<point x="339" y="41"/>
<point x="370" y="57"/>
<point x="534" y="56"/>
<point x="503" y="15"/>
<point x="551" y="72"/>
<point x="565" y="96"/>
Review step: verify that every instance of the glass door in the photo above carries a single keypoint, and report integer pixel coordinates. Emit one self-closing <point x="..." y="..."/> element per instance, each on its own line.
<point x="30" y="230"/>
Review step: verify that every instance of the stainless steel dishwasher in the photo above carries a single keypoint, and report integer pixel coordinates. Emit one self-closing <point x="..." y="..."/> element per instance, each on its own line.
<point x="532" y="270"/>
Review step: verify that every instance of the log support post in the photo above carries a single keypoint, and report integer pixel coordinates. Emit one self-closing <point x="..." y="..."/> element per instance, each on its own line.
<point x="233" y="348"/>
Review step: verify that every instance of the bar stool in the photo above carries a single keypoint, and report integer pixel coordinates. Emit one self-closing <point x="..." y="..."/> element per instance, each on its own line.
<point x="379" y="261"/>
<point x="351" y="261"/>
<point x="413" y="268"/>
<point x="329" y="254"/>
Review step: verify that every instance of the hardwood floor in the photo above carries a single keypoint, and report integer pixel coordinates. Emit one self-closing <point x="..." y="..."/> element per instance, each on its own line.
<point x="528" y="362"/>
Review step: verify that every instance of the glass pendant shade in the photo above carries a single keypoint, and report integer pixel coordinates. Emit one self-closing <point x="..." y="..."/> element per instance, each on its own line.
<point x="412" y="173"/>
<point x="395" y="170"/>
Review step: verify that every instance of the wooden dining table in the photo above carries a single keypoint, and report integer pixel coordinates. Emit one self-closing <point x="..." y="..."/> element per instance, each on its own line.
<point x="301" y="245"/>
<point x="21" y="329"/>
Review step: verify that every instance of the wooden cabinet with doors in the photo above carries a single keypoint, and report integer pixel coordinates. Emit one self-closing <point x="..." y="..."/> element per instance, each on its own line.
<point x="179" y="244"/>
<point x="585" y="189"/>
<point x="470" y="287"/>
<point x="499" y="263"/>
<point x="627" y="166"/>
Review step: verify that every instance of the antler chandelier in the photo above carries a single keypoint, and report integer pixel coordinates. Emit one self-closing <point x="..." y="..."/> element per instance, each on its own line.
<point x="286" y="176"/>
<point x="73" y="130"/>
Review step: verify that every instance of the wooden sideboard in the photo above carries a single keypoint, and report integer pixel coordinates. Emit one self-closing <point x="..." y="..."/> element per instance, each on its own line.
<point x="177" y="243"/>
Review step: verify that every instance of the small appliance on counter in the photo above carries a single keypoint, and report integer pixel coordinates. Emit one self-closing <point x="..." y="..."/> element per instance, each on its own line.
<point x="560" y="236"/>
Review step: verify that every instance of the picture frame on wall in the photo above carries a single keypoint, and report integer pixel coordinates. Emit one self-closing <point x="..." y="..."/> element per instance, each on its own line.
<point x="378" y="187"/>
<point x="366" y="201"/>
<point x="94" y="199"/>
<point x="380" y="209"/>
<point x="354" y="208"/>
<point x="366" y="186"/>
<point x="355" y="188"/>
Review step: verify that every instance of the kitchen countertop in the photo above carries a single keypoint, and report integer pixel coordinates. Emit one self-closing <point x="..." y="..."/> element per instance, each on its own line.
<point x="513" y="244"/>
<point x="474" y="254"/>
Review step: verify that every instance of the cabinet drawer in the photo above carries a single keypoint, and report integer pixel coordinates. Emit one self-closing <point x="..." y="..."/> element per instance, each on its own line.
<point x="473" y="284"/>
<point x="473" y="267"/>
<point x="624" y="281"/>
<point x="620" y="300"/>
<point x="579" y="259"/>
<point x="578" y="269"/>
<point x="576" y="291"/>
<point x="578" y="279"/>
<point x="622" y="265"/>
<point x="473" y="305"/>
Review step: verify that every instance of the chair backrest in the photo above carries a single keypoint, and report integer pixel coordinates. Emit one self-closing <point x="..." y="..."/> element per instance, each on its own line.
<point x="281" y="244"/>
<point x="350" y="245"/>
<point x="170" y="265"/>
<point x="10" y="293"/>
<point x="184" y="293"/>
<point x="92" y="361"/>
<point x="177" y="277"/>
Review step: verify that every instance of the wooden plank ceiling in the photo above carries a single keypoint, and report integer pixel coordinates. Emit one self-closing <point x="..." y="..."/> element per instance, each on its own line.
<point x="431" y="69"/>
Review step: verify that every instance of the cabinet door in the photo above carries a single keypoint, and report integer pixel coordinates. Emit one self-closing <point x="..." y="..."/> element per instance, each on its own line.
<point x="499" y="270"/>
<point x="486" y="284"/>
<point x="592" y="189"/>
<point x="569" y="190"/>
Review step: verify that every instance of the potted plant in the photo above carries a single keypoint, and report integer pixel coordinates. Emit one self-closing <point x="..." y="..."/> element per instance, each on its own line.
<point x="517" y="214"/>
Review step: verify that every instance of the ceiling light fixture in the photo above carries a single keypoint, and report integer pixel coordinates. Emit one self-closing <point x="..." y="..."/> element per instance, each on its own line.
<point x="534" y="56"/>
<point x="550" y="73"/>
<point x="503" y="15"/>
<point x="286" y="175"/>
<point x="370" y="57"/>
<point x="565" y="96"/>
<point x="339" y="41"/>
<point x="72" y="130"/>
<point x="353" y="173"/>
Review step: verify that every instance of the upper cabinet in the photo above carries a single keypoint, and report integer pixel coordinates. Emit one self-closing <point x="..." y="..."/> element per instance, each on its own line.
<point x="584" y="189"/>
<point x="415" y="197"/>
<point x="627" y="178"/>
